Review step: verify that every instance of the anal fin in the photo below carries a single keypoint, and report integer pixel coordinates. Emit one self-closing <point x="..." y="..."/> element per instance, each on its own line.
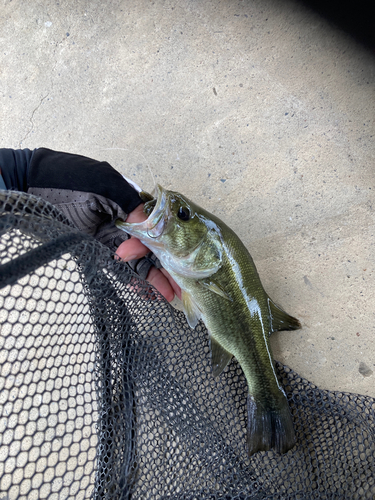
<point x="220" y="357"/>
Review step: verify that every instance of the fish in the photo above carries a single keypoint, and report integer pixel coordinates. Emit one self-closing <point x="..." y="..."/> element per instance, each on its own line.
<point x="221" y="286"/>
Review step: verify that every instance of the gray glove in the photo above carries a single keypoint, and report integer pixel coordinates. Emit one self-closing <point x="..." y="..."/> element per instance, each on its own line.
<point x="90" y="193"/>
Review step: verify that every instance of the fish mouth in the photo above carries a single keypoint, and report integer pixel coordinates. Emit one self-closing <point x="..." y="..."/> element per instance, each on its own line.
<point x="157" y="220"/>
<point x="154" y="226"/>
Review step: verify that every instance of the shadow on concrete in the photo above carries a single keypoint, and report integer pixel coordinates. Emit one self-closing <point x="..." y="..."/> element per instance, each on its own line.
<point x="356" y="18"/>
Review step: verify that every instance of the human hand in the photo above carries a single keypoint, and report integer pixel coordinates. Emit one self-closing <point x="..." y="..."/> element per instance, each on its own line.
<point x="133" y="249"/>
<point x="90" y="193"/>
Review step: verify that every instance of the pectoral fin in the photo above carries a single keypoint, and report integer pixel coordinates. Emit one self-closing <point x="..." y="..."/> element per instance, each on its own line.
<point x="280" y="320"/>
<point x="215" y="287"/>
<point x="191" y="311"/>
<point x="219" y="357"/>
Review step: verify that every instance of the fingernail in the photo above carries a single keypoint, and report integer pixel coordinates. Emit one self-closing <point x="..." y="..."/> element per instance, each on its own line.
<point x="130" y="257"/>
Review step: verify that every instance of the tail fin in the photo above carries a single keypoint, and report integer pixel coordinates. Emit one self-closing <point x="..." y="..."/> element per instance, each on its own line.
<point x="269" y="428"/>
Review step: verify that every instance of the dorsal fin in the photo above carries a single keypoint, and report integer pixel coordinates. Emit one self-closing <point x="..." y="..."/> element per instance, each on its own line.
<point x="280" y="320"/>
<point x="220" y="357"/>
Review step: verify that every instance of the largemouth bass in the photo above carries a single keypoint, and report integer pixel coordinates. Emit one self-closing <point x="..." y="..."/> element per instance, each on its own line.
<point x="221" y="286"/>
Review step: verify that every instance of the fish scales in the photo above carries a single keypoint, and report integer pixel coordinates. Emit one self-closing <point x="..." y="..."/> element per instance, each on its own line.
<point x="240" y="325"/>
<point x="221" y="286"/>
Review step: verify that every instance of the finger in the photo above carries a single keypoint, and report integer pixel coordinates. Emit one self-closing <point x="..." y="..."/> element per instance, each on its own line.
<point x="131" y="249"/>
<point x="176" y="288"/>
<point x="161" y="283"/>
<point x="137" y="215"/>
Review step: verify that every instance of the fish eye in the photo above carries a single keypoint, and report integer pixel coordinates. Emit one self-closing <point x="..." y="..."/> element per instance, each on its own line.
<point x="183" y="213"/>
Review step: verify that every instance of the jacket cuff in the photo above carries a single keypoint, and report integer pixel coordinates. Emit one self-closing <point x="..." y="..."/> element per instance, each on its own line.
<point x="14" y="164"/>
<point x="59" y="170"/>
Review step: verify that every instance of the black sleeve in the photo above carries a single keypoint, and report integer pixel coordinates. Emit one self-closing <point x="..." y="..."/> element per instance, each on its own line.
<point x="14" y="164"/>
<point x="58" y="170"/>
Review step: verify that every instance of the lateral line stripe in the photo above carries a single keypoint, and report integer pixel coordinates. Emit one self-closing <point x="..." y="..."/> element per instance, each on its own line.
<point x="252" y="306"/>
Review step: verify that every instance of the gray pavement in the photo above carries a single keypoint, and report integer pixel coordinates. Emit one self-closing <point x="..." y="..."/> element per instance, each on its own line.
<point x="258" y="110"/>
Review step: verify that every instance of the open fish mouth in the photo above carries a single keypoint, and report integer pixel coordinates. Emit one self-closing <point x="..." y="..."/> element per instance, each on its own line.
<point x="156" y="222"/>
<point x="154" y="226"/>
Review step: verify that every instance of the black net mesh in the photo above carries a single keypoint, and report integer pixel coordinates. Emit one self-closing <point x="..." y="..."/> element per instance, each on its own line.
<point x="105" y="391"/>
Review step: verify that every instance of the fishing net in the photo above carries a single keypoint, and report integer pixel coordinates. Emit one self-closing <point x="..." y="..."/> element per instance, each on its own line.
<point x="106" y="393"/>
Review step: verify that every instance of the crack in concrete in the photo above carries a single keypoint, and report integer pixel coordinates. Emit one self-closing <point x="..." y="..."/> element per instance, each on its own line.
<point x="31" y="120"/>
<point x="43" y="98"/>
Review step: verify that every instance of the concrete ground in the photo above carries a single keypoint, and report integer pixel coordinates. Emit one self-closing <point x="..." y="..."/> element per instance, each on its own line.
<point x="259" y="110"/>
